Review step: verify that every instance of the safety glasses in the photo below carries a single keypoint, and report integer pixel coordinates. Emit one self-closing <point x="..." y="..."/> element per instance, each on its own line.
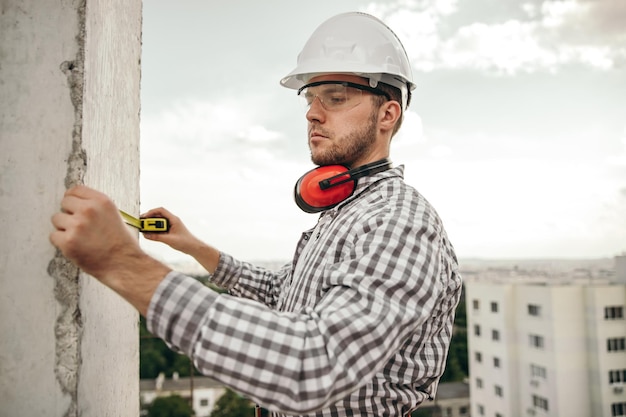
<point x="336" y="95"/>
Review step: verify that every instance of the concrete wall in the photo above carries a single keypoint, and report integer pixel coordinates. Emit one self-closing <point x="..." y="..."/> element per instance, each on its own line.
<point x="69" y="114"/>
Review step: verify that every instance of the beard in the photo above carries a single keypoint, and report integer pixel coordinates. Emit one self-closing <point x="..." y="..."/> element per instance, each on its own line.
<point x="347" y="149"/>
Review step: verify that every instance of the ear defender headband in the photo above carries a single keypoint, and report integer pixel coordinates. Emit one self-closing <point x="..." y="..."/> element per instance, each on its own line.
<point x="324" y="187"/>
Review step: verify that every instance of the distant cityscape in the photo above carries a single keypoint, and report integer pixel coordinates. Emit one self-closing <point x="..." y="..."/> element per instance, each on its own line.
<point x="548" y="267"/>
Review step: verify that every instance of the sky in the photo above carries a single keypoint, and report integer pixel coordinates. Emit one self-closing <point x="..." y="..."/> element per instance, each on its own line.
<point x="516" y="132"/>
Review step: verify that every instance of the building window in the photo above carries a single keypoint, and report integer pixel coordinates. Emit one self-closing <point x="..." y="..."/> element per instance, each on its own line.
<point x="204" y="402"/>
<point x="614" y="313"/>
<point x="478" y="356"/>
<point x="536" y="341"/>
<point x="498" y="390"/>
<point x="534" y="310"/>
<point x="618" y="409"/>
<point x="479" y="383"/>
<point x="616" y="344"/>
<point x="540" y="402"/>
<point x="481" y="410"/>
<point x="496" y="362"/>
<point x="462" y="411"/>
<point x="494" y="307"/>
<point x="498" y="415"/>
<point x="476" y="330"/>
<point x="495" y="335"/>
<point x="617" y="375"/>
<point x="476" y="304"/>
<point x="537" y="371"/>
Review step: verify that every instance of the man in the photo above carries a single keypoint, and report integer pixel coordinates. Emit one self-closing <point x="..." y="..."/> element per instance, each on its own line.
<point x="359" y="323"/>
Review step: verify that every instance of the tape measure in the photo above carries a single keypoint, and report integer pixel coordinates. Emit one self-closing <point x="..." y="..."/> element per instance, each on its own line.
<point x="149" y="224"/>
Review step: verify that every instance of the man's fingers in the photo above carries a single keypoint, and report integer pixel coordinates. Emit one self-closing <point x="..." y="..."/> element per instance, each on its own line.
<point x="157" y="212"/>
<point x="87" y="204"/>
<point x="60" y="221"/>
<point x="152" y="236"/>
<point x="82" y="192"/>
<point x="70" y="204"/>
<point x="81" y="196"/>
<point x="55" y="238"/>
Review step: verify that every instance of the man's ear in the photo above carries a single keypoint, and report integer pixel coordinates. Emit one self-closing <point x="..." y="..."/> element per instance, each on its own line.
<point x="389" y="113"/>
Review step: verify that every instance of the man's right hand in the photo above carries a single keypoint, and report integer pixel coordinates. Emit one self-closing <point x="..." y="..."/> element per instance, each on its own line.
<point x="90" y="232"/>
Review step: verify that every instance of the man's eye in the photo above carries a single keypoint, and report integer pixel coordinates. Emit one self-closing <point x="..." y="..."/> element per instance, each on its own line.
<point x="337" y="99"/>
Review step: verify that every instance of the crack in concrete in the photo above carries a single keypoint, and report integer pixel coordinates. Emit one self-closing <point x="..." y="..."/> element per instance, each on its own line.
<point x="69" y="323"/>
<point x="68" y="328"/>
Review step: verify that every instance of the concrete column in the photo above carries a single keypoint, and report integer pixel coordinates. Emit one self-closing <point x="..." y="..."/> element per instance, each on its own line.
<point x="69" y="114"/>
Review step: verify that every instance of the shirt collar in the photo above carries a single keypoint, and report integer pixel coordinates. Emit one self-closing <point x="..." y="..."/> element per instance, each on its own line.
<point x="366" y="182"/>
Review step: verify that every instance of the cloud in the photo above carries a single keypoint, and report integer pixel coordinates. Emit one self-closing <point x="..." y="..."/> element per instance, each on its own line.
<point x="219" y="166"/>
<point x="411" y="131"/>
<point x="196" y="130"/>
<point x="523" y="205"/>
<point x="531" y="36"/>
<point x="260" y="134"/>
<point x="619" y="160"/>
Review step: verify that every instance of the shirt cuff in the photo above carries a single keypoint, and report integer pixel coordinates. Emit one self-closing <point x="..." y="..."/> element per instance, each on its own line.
<point x="227" y="272"/>
<point x="178" y="309"/>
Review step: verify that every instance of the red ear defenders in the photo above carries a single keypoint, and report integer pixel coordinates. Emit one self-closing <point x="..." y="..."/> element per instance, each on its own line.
<point x="324" y="187"/>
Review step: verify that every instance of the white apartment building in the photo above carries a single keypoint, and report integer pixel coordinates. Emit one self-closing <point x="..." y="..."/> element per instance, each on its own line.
<point x="544" y="346"/>
<point x="201" y="392"/>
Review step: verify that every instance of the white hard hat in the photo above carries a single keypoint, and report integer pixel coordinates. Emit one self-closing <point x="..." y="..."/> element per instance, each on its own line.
<point x="354" y="43"/>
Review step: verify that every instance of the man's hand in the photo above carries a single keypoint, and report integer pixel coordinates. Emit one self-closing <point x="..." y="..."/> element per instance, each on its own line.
<point x="90" y="232"/>
<point x="177" y="237"/>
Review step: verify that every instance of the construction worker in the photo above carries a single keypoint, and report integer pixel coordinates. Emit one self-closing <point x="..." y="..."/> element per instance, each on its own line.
<point x="359" y="323"/>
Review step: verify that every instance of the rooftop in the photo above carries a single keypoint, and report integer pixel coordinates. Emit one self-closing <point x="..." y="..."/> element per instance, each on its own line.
<point x="450" y="390"/>
<point x="178" y="384"/>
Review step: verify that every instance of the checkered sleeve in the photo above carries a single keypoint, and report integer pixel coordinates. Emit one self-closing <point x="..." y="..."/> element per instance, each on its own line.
<point x="246" y="280"/>
<point x="271" y="357"/>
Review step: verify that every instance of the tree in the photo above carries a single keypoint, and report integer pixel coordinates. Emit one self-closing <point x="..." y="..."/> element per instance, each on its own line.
<point x="460" y="316"/>
<point x="460" y="350"/>
<point x="426" y="411"/>
<point x="151" y="362"/>
<point x="172" y="406"/>
<point x="231" y="404"/>
<point x="155" y="357"/>
<point x="457" y="367"/>
<point x="453" y="372"/>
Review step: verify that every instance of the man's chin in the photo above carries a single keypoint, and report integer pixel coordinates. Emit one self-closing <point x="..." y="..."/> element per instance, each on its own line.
<point x="319" y="157"/>
<point x="323" y="161"/>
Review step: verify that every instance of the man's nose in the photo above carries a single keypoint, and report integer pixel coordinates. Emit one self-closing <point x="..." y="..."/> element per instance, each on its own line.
<point x="316" y="111"/>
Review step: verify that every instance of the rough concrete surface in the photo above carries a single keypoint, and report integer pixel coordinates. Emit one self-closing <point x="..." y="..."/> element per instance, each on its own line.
<point x="69" y="114"/>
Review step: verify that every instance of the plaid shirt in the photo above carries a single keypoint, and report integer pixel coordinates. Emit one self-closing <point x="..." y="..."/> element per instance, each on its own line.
<point x="359" y="323"/>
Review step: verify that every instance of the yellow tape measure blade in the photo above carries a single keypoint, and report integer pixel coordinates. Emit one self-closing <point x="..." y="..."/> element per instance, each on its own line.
<point x="133" y="221"/>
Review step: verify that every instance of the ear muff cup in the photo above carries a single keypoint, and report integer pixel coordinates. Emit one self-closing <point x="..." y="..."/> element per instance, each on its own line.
<point x="310" y="196"/>
<point x="324" y="187"/>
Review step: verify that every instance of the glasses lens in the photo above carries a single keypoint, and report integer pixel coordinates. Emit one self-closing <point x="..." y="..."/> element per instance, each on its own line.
<point x="333" y="96"/>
